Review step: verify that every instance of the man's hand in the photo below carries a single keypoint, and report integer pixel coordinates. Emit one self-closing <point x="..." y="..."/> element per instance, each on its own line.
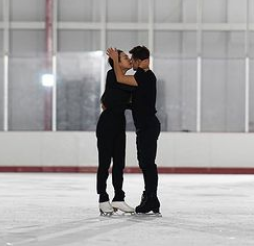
<point x="112" y="53"/>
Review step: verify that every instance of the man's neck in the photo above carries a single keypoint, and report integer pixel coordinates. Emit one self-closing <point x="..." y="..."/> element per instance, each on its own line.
<point x="144" y="64"/>
<point x="144" y="68"/>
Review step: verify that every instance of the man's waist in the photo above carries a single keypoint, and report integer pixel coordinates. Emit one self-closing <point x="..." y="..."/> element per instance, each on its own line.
<point x="145" y="120"/>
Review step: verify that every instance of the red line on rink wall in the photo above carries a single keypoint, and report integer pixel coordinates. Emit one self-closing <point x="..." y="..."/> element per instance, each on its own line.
<point x="93" y="169"/>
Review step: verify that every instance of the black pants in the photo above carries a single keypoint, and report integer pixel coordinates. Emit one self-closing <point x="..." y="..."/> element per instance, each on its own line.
<point x="146" y="141"/>
<point x="111" y="142"/>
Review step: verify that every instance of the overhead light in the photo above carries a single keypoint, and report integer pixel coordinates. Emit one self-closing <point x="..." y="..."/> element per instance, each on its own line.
<point x="48" y="80"/>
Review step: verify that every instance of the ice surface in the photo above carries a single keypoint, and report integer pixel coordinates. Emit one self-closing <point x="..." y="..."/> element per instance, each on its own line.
<point x="62" y="209"/>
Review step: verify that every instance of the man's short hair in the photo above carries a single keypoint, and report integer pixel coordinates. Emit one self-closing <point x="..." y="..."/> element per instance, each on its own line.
<point x="110" y="60"/>
<point x="140" y="52"/>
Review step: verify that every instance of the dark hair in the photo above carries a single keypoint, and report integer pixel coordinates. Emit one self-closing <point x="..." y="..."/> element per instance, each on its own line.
<point x="140" y="52"/>
<point x="110" y="60"/>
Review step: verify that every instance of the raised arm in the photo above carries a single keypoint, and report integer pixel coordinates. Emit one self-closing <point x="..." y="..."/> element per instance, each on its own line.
<point x="120" y="77"/>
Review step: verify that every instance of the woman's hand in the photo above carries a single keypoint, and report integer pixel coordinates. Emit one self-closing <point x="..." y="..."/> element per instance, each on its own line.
<point x="112" y="53"/>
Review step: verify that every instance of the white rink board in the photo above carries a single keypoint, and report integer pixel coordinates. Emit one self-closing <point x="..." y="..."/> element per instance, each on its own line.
<point x="79" y="149"/>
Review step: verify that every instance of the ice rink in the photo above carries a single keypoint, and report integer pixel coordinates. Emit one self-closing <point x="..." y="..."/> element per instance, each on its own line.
<point x="62" y="210"/>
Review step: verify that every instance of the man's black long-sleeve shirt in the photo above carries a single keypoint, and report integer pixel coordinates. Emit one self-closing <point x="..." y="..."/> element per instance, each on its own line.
<point x="116" y="97"/>
<point x="144" y="98"/>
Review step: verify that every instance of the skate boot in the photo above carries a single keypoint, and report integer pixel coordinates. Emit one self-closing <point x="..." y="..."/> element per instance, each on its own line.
<point x="105" y="208"/>
<point x="149" y="205"/>
<point x="122" y="206"/>
<point x="143" y="197"/>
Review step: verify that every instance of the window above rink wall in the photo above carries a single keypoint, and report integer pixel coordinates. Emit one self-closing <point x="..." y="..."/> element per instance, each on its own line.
<point x="79" y="66"/>
<point x="131" y="11"/>
<point x="81" y="11"/>
<point x="1" y="92"/>
<point x="78" y="90"/>
<point x="175" y="11"/>
<point x="27" y="10"/>
<point x="1" y="69"/>
<point x="79" y="74"/>
<point x="224" y="51"/>
<point x="175" y="64"/>
<point x="26" y="63"/>
<point x="1" y="12"/>
<point x="202" y="53"/>
<point x="251" y="54"/>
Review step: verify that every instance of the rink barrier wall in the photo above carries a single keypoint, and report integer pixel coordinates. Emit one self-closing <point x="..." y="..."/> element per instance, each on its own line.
<point x="199" y="153"/>
<point x="132" y="170"/>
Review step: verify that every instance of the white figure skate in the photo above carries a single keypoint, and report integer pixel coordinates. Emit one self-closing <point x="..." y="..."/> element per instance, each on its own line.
<point x="122" y="206"/>
<point x="106" y="209"/>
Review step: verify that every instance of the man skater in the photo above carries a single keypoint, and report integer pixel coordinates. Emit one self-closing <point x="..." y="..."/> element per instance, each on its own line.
<point x="146" y="123"/>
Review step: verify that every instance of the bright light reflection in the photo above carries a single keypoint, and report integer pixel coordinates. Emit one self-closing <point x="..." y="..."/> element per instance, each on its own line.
<point x="47" y="80"/>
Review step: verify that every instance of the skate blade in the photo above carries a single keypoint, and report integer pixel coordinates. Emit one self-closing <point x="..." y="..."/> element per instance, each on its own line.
<point x="122" y="211"/>
<point x="127" y="213"/>
<point x="106" y="214"/>
<point x="150" y="214"/>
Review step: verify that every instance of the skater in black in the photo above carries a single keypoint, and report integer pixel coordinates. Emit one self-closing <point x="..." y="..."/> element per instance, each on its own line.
<point x="145" y="120"/>
<point x="110" y="134"/>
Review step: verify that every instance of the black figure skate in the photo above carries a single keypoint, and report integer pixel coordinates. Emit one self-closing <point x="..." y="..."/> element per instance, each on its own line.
<point x="149" y="205"/>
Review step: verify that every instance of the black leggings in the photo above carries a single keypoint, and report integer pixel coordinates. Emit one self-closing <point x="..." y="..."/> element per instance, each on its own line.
<point x="111" y="140"/>
<point x="146" y="141"/>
